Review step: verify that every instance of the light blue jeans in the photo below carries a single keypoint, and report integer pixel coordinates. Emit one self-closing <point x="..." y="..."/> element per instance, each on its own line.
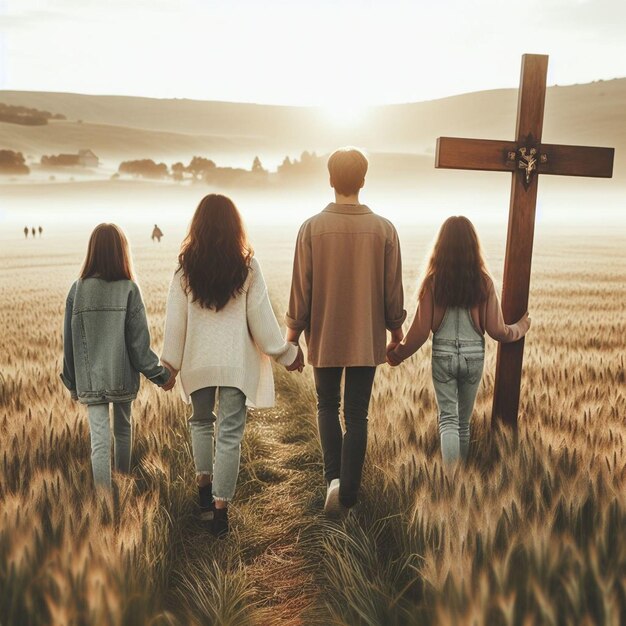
<point x="231" y="421"/>
<point x="457" y="366"/>
<point x="100" y="428"/>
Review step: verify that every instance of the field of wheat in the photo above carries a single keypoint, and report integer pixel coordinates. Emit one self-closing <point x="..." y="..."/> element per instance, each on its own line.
<point x="531" y="531"/>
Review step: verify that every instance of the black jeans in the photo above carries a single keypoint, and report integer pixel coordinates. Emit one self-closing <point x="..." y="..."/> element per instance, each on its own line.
<point x="344" y="453"/>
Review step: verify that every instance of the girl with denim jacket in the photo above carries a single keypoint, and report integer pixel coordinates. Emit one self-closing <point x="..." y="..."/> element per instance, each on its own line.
<point x="106" y="345"/>
<point x="458" y="303"/>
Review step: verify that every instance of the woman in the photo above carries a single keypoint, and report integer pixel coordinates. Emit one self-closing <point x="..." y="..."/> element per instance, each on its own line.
<point x="219" y="328"/>
<point x="458" y="303"/>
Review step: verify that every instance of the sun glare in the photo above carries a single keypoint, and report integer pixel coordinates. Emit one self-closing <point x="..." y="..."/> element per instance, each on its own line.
<point x="346" y="115"/>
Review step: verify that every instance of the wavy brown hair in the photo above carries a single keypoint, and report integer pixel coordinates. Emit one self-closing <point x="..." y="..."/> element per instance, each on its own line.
<point x="456" y="271"/>
<point x="215" y="255"/>
<point x="108" y="255"/>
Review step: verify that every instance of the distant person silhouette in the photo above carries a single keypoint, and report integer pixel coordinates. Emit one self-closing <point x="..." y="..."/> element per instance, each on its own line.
<point x="40" y="230"/>
<point x="33" y="231"/>
<point x="157" y="233"/>
<point x="26" y="232"/>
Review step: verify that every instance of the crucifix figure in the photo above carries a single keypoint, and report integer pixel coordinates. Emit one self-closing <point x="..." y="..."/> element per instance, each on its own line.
<point x="525" y="158"/>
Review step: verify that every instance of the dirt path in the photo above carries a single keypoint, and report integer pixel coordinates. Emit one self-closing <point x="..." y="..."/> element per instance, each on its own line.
<point x="265" y="572"/>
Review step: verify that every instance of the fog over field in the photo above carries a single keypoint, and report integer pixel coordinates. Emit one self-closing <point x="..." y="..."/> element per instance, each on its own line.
<point x="400" y="139"/>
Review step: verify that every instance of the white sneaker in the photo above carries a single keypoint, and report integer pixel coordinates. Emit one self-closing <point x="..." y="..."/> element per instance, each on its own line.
<point x="333" y="506"/>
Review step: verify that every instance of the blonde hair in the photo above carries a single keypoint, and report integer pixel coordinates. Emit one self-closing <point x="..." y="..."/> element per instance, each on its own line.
<point x="347" y="168"/>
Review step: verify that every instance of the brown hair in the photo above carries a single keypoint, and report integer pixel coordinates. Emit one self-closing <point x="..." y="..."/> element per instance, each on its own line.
<point x="456" y="270"/>
<point x="347" y="168"/>
<point x="215" y="255"/>
<point x="108" y="254"/>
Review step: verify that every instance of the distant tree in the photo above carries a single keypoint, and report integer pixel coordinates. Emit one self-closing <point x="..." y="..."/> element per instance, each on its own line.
<point x="257" y="166"/>
<point x="59" y="160"/>
<point x="17" y="114"/>
<point x="146" y="168"/>
<point x="178" y="170"/>
<point x="285" y="166"/>
<point x="199" y="166"/>
<point x="227" y="176"/>
<point x="13" y="163"/>
<point x="308" y="167"/>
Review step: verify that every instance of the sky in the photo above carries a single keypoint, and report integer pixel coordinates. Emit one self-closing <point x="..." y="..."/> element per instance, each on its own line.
<point x="322" y="52"/>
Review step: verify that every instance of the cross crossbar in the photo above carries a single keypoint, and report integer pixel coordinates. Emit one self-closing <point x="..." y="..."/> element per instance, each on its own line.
<point x="502" y="156"/>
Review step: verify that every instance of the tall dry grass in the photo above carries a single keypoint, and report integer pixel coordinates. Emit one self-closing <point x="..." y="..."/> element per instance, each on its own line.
<point x="530" y="532"/>
<point x="67" y="556"/>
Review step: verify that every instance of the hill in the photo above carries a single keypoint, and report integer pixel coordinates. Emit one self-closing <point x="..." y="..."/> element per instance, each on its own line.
<point x="122" y="126"/>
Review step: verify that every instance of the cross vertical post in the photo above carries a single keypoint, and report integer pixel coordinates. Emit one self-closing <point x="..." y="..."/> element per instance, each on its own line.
<point x="519" y="240"/>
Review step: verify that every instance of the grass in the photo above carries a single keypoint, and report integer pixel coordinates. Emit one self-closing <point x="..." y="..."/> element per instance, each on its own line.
<point x="531" y="531"/>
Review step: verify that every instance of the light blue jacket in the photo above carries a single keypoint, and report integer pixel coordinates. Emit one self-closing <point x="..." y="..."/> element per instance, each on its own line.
<point x="106" y="342"/>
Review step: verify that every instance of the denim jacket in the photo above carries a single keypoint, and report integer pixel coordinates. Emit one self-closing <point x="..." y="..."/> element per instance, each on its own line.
<point x="106" y="342"/>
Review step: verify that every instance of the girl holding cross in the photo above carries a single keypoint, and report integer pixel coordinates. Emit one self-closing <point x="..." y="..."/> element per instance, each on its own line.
<point x="458" y="303"/>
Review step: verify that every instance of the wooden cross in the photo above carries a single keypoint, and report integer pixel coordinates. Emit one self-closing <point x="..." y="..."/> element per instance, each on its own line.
<point x="525" y="158"/>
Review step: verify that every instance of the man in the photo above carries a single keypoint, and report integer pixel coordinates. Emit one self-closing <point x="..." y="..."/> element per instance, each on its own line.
<point x="157" y="233"/>
<point x="346" y="291"/>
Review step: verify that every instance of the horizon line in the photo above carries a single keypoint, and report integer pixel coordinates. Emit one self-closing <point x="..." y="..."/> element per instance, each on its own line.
<point x="299" y="106"/>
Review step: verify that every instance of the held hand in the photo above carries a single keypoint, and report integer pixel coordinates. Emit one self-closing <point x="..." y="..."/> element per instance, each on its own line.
<point x="171" y="381"/>
<point x="393" y="360"/>
<point x="298" y="363"/>
<point x="392" y="357"/>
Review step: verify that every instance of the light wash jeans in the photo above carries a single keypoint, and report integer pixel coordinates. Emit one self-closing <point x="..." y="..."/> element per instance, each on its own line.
<point x="100" y="427"/>
<point x="231" y="421"/>
<point x="457" y="367"/>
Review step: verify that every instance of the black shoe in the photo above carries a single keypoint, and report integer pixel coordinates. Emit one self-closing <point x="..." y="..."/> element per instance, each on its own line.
<point x="220" y="522"/>
<point x="206" y="502"/>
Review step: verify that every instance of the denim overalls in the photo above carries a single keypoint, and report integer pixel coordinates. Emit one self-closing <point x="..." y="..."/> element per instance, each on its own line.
<point x="457" y="362"/>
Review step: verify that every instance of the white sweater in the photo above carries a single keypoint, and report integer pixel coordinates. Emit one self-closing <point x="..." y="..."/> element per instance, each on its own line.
<point x="226" y="348"/>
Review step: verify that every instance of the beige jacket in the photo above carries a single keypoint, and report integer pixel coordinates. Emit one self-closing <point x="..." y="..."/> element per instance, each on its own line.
<point x="346" y="288"/>
<point x="486" y="317"/>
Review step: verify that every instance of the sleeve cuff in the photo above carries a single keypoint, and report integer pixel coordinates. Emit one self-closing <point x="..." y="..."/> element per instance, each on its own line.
<point x="289" y="355"/>
<point x="295" y="324"/>
<point x="68" y="383"/>
<point x="396" y="323"/>
<point x="162" y="377"/>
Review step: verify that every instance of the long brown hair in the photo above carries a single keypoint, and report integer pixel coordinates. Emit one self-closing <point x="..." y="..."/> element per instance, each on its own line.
<point x="108" y="254"/>
<point x="456" y="271"/>
<point x="215" y="255"/>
